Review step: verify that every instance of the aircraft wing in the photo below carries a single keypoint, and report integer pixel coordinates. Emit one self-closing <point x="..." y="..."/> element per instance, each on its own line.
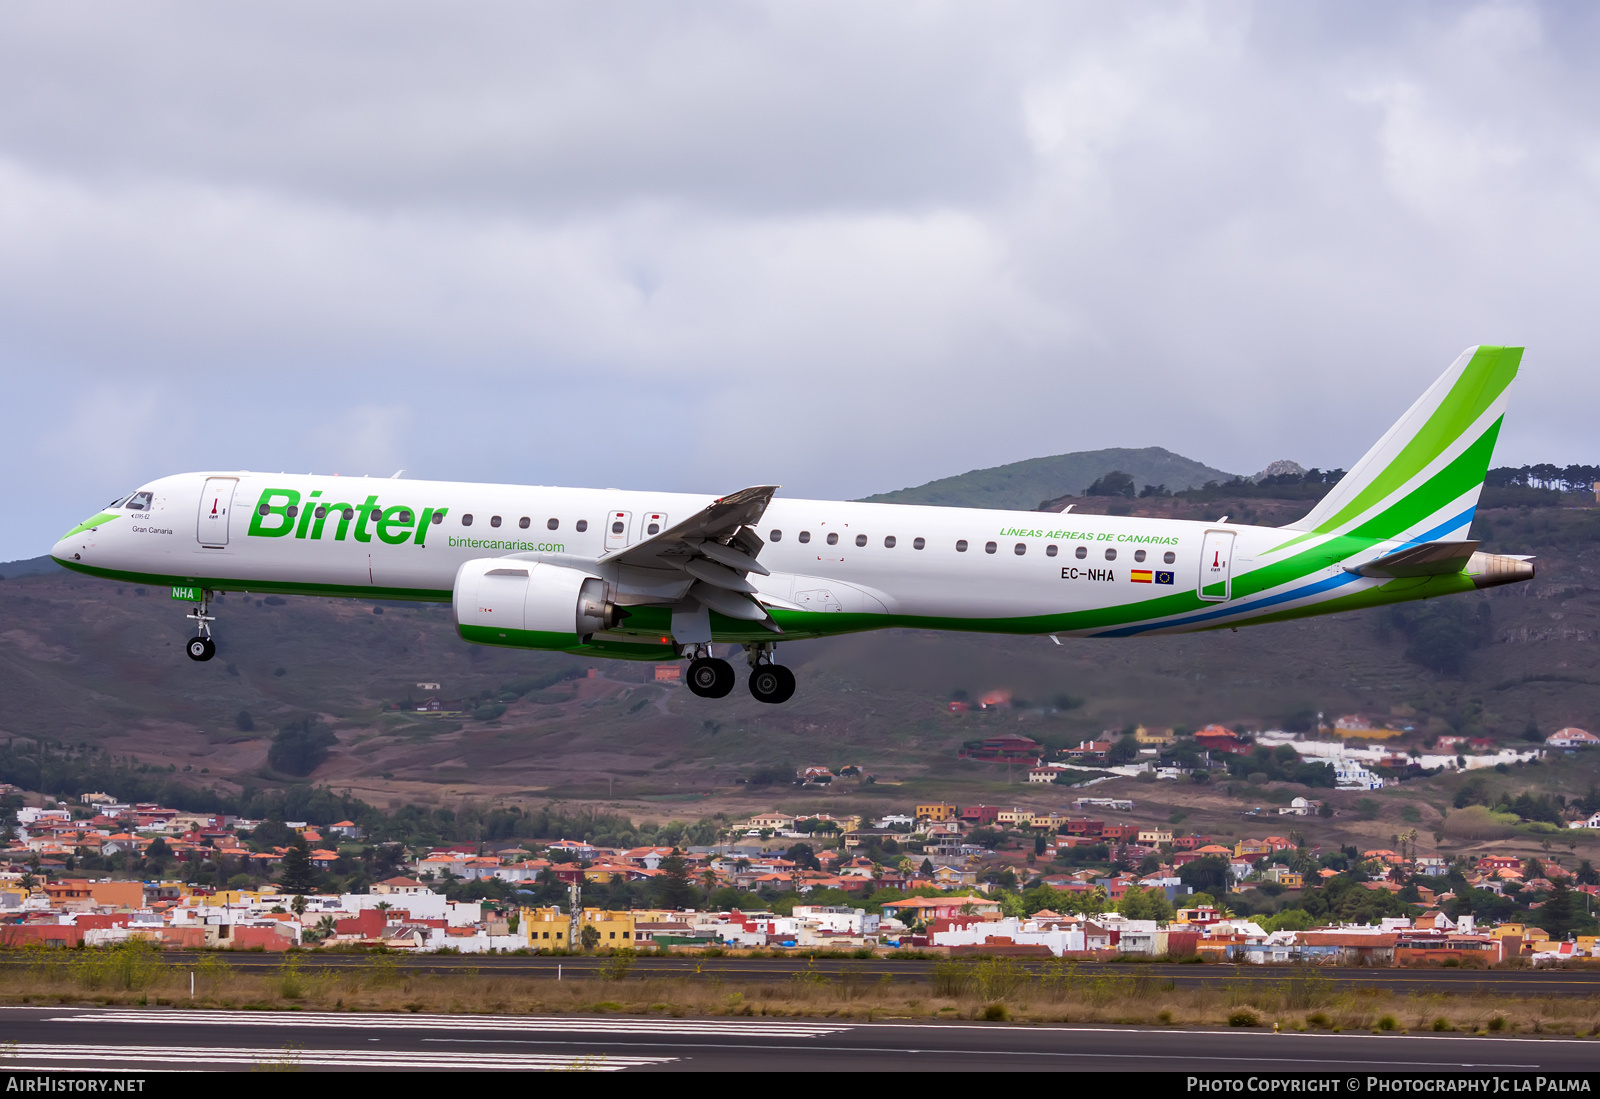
<point x="718" y="547"/>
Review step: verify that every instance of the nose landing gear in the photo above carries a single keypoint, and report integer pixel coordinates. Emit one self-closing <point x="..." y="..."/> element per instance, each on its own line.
<point x="200" y="646"/>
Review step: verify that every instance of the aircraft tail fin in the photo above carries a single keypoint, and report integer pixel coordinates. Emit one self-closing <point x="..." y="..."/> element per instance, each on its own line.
<point x="1420" y="482"/>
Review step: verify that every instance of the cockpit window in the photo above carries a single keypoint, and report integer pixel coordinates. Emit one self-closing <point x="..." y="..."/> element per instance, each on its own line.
<point x="117" y="503"/>
<point x="139" y="501"/>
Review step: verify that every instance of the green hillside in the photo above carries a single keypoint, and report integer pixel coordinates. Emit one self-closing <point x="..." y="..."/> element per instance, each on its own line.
<point x="89" y="662"/>
<point x="1024" y="485"/>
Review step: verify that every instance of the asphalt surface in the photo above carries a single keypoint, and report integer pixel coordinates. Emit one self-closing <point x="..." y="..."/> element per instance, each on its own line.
<point x="1526" y="982"/>
<point x="145" y="1039"/>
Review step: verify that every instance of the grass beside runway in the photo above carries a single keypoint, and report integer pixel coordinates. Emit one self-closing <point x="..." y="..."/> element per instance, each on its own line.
<point x="980" y="988"/>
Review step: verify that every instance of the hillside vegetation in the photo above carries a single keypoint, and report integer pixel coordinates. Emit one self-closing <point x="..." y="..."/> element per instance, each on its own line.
<point x="92" y="663"/>
<point x="1023" y="484"/>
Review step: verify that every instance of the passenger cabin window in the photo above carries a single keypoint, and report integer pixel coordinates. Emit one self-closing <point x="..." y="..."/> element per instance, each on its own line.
<point x="1111" y="553"/>
<point x="1081" y="552"/>
<point x="438" y="517"/>
<point x="265" y="508"/>
<point x="1138" y="555"/>
<point x="919" y="543"/>
<point x="524" y="523"/>
<point x="989" y="547"/>
<point x="1050" y="551"/>
<point x="617" y="527"/>
<point x="774" y="535"/>
<point x="805" y="536"/>
<point x="552" y="524"/>
<point x="322" y="511"/>
<point x="833" y="538"/>
<point x="861" y="539"/>
<point x="466" y="520"/>
<point x="1021" y="548"/>
<point x="494" y="520"/>
<point x="583" y="525"/>
<point x="653" y="528"/>
<point x="1169" y="557"/>
<point x="961" y="545"/>
<point x="888" y="542"/>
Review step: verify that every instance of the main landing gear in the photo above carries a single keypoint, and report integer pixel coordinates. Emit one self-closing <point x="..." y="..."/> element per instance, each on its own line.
<point x="711" y="677"/>
<point x="769" y="682"/>
<point x="708" y="676"/>
<point x="200" y="646"/>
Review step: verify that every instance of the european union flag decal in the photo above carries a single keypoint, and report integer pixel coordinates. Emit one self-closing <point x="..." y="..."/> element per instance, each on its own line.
<point x="1163" y="578"/>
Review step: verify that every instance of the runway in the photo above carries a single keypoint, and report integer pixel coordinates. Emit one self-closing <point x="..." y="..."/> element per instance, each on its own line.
<point x="154" y="1039"/>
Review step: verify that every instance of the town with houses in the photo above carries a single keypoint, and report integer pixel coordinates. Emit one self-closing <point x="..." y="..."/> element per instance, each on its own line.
<point x="1094" y="881"/>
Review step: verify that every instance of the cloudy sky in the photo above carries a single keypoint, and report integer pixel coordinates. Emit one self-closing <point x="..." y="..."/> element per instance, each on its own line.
<point x="842" y="247"/>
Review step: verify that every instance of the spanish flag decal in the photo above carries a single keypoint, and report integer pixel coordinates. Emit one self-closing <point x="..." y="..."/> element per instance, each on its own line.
<point x="1140" y="576"/>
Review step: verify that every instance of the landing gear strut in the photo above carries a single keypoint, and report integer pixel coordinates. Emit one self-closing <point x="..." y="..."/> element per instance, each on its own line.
<point x="200" y="646"/>
<point x="709" y="677"/>
<point x="769" y="682"/>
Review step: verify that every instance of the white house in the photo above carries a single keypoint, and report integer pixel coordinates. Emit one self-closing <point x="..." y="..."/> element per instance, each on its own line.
<point x="1571" y="737"/>
<point x="1350" y="775"/>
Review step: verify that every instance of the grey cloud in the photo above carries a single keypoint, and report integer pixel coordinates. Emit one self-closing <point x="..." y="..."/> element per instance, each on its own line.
<point x="838" y="247"/>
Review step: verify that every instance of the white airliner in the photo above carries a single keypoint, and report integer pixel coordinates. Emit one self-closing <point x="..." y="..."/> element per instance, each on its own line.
<point x="654" y="576"/>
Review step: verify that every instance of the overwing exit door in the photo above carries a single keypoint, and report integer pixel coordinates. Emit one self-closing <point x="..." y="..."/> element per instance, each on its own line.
<point x="1216" y="566"/>
<point x="215" y="503"/>
<point x="619" y="525"/>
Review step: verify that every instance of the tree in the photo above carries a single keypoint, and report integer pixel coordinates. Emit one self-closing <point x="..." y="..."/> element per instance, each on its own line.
<point x="1560" y="915"/>
<point x="1208" y="875"/>
<point x="298" y="875"/>
<point x="1115" y="483"/>
<point x="324" y="928"/>
<point x="803" y="857"/>
<point x="244" y="721"/>
<point x="589" y="936"/>
<point x="673" y="888"/>
<point x="298" y="905"/>
<point x="1145" y="904"/>
<point x="1123" y="751"/>
<point x="300" y="746"/>
<point x="1290" y="919"/>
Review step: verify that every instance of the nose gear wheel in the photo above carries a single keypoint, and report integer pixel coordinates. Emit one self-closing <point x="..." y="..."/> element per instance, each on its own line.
<point x="200" y="646"/>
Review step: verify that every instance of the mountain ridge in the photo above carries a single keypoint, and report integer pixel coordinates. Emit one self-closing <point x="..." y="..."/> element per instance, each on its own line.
<point x="1024" y="485"/>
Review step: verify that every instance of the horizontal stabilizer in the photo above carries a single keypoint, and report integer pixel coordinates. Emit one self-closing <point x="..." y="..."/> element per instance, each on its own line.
<point x="1427" y="559"/>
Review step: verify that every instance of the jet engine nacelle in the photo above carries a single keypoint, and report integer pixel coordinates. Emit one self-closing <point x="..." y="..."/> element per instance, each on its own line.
<point x="530" y="605"/>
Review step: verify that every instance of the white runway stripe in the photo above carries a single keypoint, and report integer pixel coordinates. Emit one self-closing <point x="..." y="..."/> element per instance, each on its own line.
<point x="545" y="1024"/>
<point x="111" y="1058"/>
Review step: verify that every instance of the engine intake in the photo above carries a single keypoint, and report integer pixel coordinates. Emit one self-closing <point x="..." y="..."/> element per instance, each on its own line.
<point x="530" y="605"/>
